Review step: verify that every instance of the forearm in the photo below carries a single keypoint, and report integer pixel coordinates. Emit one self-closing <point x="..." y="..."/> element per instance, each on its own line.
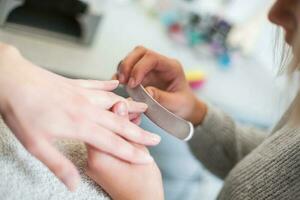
<point x="15" y="74"/>
<point x="198" y="111"/>
<point x="9" y="56"/>
<point x="219" y="143"/>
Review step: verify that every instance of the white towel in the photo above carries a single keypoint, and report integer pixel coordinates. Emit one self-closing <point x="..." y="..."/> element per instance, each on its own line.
<point x="23" y="177"/>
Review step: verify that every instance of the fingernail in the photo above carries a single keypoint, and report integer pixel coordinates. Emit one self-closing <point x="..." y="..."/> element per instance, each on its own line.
<point x="120" y="63"/>
<point x="131" y="82"/>
<point x="71" y="181"/>
<point x="122" y="110"/>
<point x="155" y="139"/>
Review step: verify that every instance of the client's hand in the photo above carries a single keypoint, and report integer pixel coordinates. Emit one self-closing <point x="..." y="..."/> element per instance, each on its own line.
<point x="123" y="180"/>
<point x="39" y="107"/>
<point x="164" y="78"/>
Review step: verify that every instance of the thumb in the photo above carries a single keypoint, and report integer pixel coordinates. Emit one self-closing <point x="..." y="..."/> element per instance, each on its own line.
<point x="166" y="99"/>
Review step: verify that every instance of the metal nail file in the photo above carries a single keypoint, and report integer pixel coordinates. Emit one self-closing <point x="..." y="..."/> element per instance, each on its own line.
<point x="163" y="118"/>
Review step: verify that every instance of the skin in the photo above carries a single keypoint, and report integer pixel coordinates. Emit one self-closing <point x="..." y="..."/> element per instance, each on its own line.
<point x="164" y="79"/>
<point x="115" y="175"/>
<point x="284" y="13"/>
<point x="40" y="107"/>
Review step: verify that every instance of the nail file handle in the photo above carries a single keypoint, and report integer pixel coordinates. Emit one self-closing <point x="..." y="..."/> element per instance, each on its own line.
<point x="162" y="117"/>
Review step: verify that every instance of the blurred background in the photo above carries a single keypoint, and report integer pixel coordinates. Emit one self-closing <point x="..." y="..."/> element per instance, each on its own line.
<point x="227" y="48"/>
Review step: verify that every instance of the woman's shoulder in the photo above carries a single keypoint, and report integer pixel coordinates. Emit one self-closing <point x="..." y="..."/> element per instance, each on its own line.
<point x="271" y="171"/>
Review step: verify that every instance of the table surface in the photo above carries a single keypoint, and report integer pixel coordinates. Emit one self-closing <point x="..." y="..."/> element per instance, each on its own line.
<point x="246" y="90"/>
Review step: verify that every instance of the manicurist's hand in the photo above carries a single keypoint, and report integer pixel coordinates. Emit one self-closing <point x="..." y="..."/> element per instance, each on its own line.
<point x="39" y="107"/>
<point x="164" y="79"/>
<point x="123" y="180"/>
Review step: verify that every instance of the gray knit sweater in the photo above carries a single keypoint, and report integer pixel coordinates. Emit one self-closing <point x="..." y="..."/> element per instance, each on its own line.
<point x="253" y="164"/>
<point x="23" y="177"/>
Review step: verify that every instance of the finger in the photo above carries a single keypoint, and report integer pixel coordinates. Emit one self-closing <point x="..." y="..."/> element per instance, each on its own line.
<point x="101" y="161"/>
<point x="114" y="77"/>
<point x="98" y="156"/>
<point x="119" y="65"/>
<point x="56" y="162"/>
<point x="125" y="128"/>
<point x="106" y="100"/>
<point x="102" y="99"/>
<point x="136" y="107"/>
<point x="132" y="104"/>
<point x="127" y="64"/>
<point x="121" y="109"/>
<point x="109" y="142"/>
<point x="137" y="120"/>
<point x="134" y="116"/>
<point x="149" y="63"/>
<point x="141" y="69"/>
<point x="166" y="99"/>
<point x="100" y="85"/>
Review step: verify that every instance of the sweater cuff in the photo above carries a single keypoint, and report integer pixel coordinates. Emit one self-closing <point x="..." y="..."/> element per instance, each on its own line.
<point x="214" y="121"/>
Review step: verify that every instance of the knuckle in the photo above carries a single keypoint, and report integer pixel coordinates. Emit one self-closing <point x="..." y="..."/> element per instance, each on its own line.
<point x="177" y="66"/>
<point x="77" y="117"/>
<point x="84" y="130"/>
<point x="153" y="57"/>
<point x="79" y="126"/>
<point x="139" y="48"/>
<point x="150" y="54"/>
<point x="176" y="61"/>
<point x="79" y="100"/>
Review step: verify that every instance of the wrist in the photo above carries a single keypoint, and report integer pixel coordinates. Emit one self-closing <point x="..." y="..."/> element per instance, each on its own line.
<point x="9" y="57"/>
<point x="198" y="113"/>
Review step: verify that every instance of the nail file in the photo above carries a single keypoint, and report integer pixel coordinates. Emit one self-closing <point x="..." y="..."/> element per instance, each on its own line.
<point x="162" y="117"/>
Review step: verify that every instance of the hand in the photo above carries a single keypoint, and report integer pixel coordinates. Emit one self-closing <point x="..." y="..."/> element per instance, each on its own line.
<point x="39" y="107"/>
<point x="164" y="79"/>
<point x="122" y="180"/>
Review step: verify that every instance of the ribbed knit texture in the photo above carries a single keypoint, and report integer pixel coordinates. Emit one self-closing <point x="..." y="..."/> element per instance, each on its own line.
<point x="23" y="177"/>
<point x="254" y="165"/>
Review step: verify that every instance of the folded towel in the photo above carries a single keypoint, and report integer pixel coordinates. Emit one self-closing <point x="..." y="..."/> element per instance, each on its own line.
<point x="24" y="177"/>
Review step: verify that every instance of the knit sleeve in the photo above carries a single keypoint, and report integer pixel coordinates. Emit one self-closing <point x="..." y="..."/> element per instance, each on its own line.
<point x="219" y="143"/>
